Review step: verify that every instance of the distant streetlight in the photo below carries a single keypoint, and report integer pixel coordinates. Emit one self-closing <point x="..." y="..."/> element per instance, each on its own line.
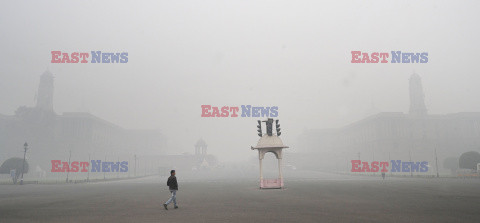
<point x="25" y="146"/>
<point x="389" y="160"/>
<point x="118" y="170"/>
<point x="410" y="155"/>
<point x="104" y="177"/>
<point x="88" y="172"/>
<point x="69" y="156"/>
<point x="436" y="162"/>
<point x="373" y="158"/>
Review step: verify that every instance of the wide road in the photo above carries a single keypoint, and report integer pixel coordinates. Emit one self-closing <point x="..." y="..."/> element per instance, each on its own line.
<point x="308" y="197"/>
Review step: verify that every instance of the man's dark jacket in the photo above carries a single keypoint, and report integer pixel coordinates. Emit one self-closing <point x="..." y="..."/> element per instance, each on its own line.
<point x="172" y="183"/>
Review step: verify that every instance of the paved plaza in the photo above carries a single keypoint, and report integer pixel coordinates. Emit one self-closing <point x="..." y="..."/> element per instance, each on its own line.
<point x="307" y="197"/>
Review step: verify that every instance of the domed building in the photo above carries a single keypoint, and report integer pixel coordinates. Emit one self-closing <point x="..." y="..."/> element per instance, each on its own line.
<point x="392" y="135"/>
<point x="201" y="148"/>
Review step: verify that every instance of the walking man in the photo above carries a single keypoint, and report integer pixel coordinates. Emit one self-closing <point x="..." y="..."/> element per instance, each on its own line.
<point x="173" y="187"/>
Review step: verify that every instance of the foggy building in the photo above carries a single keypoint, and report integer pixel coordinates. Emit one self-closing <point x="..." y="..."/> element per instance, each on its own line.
<point x="200" y="149"/>
<point x="186" y="161"/>
<point x="44" y="96"/>
<point x="396" y="135"/>
<point x="417" y="97"/>
<point x="52" y="136"/>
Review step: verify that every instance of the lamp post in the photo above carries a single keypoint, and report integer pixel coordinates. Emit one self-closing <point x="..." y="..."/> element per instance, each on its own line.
<point x="69" y="156"/>
<point x="88" y="172"/>
<point x="373" y="158"/>
<point x="390" y="160"/>
<point x="25" y="147"/>
<point x="436" y="162"/>
<point x="410" y="155"/>
<point x="118" y="171"/>
<point x="104" y="177"/>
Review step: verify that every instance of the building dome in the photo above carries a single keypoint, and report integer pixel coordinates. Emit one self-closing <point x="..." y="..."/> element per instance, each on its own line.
<point x="200" y="143"/>
<point x="47" y="73"/>
<point x="415" y="76"/>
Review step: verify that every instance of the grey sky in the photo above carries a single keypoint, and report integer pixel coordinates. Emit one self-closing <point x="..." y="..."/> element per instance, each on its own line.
<point x="292" y="54"/>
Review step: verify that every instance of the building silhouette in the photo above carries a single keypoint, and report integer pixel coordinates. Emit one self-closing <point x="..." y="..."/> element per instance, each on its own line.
<point x="52" y="136"/>
<point x="44" y="96"/>
<point x="393" y="135"/>
<point x="417" y="97"/>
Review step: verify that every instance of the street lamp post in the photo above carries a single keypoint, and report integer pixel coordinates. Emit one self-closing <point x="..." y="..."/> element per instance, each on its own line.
<point x="104" y="177"/>
<point x="69" y="157"/>
<point x="390" y="160"/>
<point x="436" y="162"/>
<point x="118" y="171"/>
<point x="88" y="172"/>
<point x="25" y="147"/>
<point x="373" y="158"/>
<point x="410" y="155"/>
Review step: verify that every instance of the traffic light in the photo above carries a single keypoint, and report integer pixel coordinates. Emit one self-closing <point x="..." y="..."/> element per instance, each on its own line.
<point x="269" y="126"/>
<point x="277" y="127"/>
<point x="259" y="130"/>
